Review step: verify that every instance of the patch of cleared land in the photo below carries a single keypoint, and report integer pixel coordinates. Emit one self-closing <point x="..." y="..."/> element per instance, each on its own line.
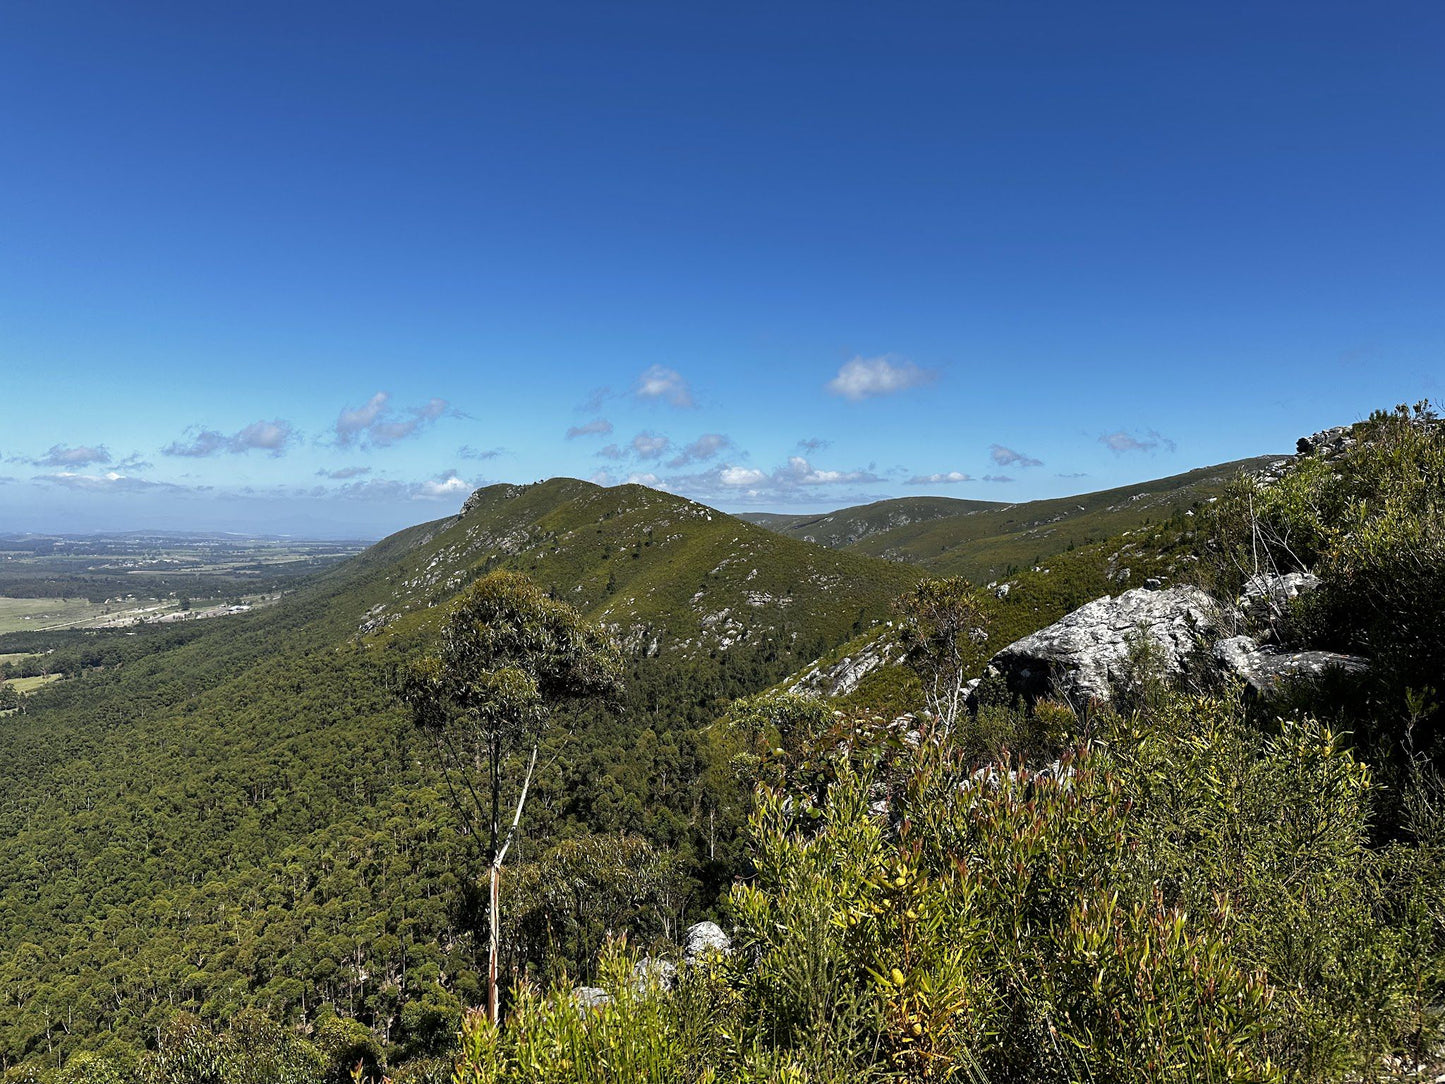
<point x="36" y="614"/>
<point x="30" y="684"/>
<point x="42" y="614"/>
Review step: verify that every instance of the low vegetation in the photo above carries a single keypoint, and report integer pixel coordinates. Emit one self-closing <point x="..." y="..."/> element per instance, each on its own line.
<point x="264" y="876"/>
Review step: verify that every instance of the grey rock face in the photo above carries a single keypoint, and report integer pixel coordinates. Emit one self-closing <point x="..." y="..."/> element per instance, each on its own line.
<point x="1265" y="670"/>
<point x="1265" y="597"/>
<point x="1327" y="443"/>
<point x="1085" y="655"/>
<point x="705" y="939"/>
<point x="843" y="676"/>
<point x="649" y="972"/>
<point x="590" y="997"/>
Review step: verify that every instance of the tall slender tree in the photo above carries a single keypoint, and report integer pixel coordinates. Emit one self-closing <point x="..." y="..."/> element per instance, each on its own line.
<point x="508" y="656"/>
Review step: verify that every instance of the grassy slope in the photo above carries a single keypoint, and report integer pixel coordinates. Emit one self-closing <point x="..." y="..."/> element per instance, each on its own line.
<point x="655" y="568"/>
<point x="985" y="542"/>
<point x="249" y="762"/>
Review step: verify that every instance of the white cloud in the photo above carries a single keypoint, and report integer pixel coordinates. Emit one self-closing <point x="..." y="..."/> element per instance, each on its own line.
<point x="649" y="445"/>
<point x="267" y="436"/>
<point x="611" y="451"/>
<point x="112" y="482"/>
<point x="1120" y="441"/>
<point x="599" y="428"/>
<point x="659" y="382"/>
<point x="377" y="425"/>
<point x="800" y="472"/>
<point x="351" y="423"/>
<point x="79" y="456"/>
<point x="796" y="481"/>
<point x="866" y="378"/>
<point x="448" y="485"/>
<point x="646" y="478"/>
<point x="741" y="476"/>
<point x="602" y="478"/>
<point x="271" y="436"/>
<point x="1006" y="457"/>
<point x="943" y="479"/>
<point x="702" y="449"/>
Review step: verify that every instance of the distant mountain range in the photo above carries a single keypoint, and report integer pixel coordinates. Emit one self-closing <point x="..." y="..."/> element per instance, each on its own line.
<point x="984" y="540"/>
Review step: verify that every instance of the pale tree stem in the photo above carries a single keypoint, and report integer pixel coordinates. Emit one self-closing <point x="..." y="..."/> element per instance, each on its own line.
<point x="494" y="1005"/>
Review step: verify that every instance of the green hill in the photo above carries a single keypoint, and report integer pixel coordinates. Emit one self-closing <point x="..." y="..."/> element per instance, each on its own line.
<point x="236" y="813"/>
<point x="986" y="541"/>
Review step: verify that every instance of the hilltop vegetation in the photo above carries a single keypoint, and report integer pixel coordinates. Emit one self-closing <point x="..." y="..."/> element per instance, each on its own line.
<point x="229" y="846"/>
<point x="985" y="540"/>
<point x="235" y="814"/>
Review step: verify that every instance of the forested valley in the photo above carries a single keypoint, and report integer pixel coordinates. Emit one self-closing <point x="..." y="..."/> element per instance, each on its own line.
<point x="233" y="851"/>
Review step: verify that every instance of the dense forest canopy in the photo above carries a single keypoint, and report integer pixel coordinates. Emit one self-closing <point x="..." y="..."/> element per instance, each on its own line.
<point x="230" y="843"/>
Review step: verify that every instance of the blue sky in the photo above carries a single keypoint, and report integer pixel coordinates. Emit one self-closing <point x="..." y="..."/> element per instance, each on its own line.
<point x="322" y="268"/>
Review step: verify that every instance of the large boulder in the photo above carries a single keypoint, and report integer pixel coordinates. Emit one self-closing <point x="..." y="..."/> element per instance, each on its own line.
<point x="1085" y="655"/>
<point x="704" y="939"/>
<point x="1264" y="670"/>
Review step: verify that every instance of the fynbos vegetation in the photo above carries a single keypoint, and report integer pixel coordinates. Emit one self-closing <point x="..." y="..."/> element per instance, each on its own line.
<point x="1228" y="865"/>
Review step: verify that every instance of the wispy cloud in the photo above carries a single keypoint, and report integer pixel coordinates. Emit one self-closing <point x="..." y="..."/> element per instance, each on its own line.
<point x="113" y="482"/>
<point x="267" y="436"/>
<point x="466" y="451"/>
<point x="81" y="455"/>
<point x="1120" y="441"/>
<point x="659" y="382"/>
<point x="610" y="451"/>
<point x="947" y="478"/>
<point x="1007" y="457"/>
<point x="649" y="445"/>
<point x="997" y="478"/>
<point x="595" y="398"/>
<point x="445" y="486"/>
<point x="343" y="473"/>
<point x="598" y="428"/>
<point x="797" y="480"/>
<point x="867" y="378"/>
<point x="702" y="449"/>
<point x="813" y="445"/>
<point x="376" y="424"/>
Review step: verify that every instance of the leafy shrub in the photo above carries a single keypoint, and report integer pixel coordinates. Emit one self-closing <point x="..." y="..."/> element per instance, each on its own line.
<point x="643" y="1033"/>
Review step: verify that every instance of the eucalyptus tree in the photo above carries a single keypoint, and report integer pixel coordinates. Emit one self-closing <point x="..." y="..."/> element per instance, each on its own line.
<point x="943" y="626"/>
<point x="508" y="656"/>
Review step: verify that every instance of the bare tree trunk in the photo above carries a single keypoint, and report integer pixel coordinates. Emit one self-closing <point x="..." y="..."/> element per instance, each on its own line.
<point x="494" y="1006"/>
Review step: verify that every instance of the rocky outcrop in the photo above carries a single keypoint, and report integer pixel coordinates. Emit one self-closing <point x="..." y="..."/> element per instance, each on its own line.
<point x="1265" y="597"/>
<point x="1264" y="669"/>
<point x="1327" y="443"/>
<point x="1085" y="655"/>
<point x="842" y="677"/>
<point x="650" y="972"/>
<point x="704" y="939"/>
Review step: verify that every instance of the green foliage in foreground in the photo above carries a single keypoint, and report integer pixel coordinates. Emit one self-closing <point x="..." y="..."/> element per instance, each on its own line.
<point x="1370" y="522"/>
<point x="1185" y="899"/>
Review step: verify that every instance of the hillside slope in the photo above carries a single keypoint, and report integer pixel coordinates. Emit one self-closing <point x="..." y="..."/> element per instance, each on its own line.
<point x="214" y="817"/>
<point x="986" y="541"/>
